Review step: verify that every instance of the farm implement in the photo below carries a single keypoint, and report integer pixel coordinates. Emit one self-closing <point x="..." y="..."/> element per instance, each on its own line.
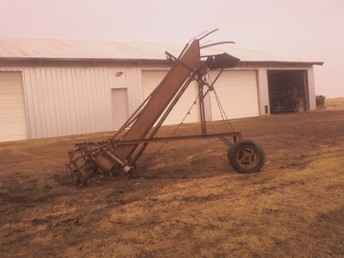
<point x="122" y="151"/>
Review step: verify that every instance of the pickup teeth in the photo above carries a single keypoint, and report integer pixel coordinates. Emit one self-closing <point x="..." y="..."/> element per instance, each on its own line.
<point x="81" y="165"/>
<point x="91" y="160"/>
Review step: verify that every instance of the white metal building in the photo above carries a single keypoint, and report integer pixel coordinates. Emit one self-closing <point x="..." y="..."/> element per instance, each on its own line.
<point x="54" y="88"/>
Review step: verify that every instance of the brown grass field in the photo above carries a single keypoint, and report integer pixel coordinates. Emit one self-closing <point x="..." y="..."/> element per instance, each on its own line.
<point x="335" y="103"/>
<point x="185" y="202"/>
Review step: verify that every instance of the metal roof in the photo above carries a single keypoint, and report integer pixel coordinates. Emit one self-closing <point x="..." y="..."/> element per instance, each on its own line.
<point x="69" y="50"/>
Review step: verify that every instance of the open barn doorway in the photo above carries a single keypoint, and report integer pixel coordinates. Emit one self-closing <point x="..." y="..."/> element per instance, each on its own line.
<point x="288" y="91"/>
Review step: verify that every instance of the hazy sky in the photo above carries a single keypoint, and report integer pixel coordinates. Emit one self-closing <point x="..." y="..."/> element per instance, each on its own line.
<point x="304" y="28"/>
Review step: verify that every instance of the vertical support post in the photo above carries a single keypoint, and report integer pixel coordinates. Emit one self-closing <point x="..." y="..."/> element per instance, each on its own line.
<point x="311" y="88"/>
<point x="307" y="105"/>
<point x="201" y="107"/>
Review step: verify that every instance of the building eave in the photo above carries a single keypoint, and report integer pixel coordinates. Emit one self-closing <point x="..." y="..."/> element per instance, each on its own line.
<point x="280" y="63"/>
<point x="136" y="62"/>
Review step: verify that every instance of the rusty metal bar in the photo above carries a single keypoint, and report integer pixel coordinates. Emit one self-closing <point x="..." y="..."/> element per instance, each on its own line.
<point x="140" y="149"/>
<point x="136" y="113"/>
<point x="217" y="43"/>
<point x="163" y="95"/>
<point x="131" y="119"/>
<point x="176" y="138"/>
<point x="133" y="116"/>
<point x="207" y="34"/>
<point x="183" y="50"/>
<point x="211" y="85"/>
<point x="201" y="108"/>
<point x="177" y="60"/>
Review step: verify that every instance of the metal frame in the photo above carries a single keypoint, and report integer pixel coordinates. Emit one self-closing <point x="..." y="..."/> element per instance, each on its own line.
<point x="236" y="137"/>
<point x="130" y="141"/>
<point x="203" y="89"/>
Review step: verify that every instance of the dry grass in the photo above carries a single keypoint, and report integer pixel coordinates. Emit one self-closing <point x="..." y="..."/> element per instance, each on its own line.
<point x="335" y="103"/>
<point x="187" y="202"/>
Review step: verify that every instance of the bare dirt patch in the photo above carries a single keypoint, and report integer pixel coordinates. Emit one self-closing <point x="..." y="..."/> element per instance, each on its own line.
<point x="186" y="202"/>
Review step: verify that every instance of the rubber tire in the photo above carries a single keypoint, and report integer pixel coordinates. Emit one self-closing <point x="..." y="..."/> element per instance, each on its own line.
<point x="232" y="153"/>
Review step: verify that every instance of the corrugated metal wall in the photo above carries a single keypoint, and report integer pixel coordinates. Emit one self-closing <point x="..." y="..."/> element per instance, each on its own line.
<point x="66" y="100"/>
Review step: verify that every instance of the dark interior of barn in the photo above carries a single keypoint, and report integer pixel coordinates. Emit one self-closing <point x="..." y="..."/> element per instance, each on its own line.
<point x="288" y="91"/>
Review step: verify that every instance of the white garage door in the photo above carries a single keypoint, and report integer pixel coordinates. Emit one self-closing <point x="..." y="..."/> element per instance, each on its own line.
<point x="151" y="79"/>
<point x="237" y="91"/>
<point x="12" y="115"/>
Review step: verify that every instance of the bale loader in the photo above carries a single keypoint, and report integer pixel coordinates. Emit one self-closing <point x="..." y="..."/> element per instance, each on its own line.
<point x="122" y="151"/>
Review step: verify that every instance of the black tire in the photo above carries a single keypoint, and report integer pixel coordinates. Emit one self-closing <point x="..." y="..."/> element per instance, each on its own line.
<point x="246" y="157"/>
